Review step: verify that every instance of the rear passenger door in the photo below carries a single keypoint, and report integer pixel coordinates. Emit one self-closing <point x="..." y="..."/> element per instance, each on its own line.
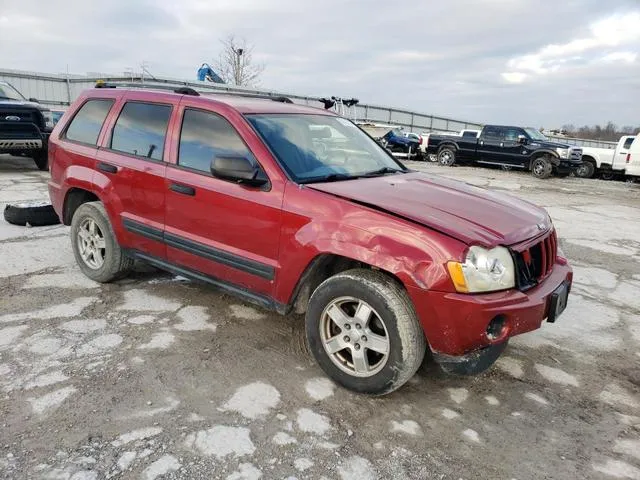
<point x="130" y="169"/>
<point x="223" y="229"/>
<point x="490" y="145"/>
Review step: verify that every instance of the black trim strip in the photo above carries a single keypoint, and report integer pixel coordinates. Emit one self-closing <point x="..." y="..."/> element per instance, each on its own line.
<point x="205" y="251"/>
<point x="144" y="230"/>
<point x="255" y="298"/>
<point x="217" y="255"/>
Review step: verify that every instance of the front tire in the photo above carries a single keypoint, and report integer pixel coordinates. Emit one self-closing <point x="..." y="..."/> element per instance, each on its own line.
<point x="364" y="333"/>
<point x="541" y="167"/>
<point x="447" y="156"/>
<point x="42" y="160"/>
<point x="95" y="246"/>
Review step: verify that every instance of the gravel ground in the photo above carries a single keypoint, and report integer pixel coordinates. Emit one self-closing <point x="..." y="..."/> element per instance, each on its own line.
<point x="159" y="377"/>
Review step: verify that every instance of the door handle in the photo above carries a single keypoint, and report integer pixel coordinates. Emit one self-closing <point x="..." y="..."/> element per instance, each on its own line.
<point x="183" y="189"/>
<point x="107" y="167"/>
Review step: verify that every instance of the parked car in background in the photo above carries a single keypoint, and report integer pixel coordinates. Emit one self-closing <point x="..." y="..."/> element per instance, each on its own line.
<point x="25" y="125"/>
<point x="384" y="262"/>
<point x="397" y="142"/>
<point x="605" y="162"/>
<point x="630" y="164"/>
<point x="510" y="147"/>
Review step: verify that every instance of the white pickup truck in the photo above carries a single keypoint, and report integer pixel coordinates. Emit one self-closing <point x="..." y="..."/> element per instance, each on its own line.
<point x="608" y="162"/>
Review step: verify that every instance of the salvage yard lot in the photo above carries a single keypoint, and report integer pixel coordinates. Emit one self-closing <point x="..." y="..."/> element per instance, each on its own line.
<point x="155" y="375"/>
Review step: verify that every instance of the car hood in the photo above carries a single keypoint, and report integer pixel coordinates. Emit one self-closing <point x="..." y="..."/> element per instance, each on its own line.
<point x="21" y="104"/>
<point x="552" y="145"/>
<point x="471" y="214"/>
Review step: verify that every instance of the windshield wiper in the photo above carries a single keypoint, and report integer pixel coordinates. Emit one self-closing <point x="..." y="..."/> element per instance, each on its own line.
<point x="332" y="177"/>
<point x="2" y="97"/>
<point x="381" y="171"/>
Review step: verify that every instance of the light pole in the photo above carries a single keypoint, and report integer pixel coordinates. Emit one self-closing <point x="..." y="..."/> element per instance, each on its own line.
<point x="237" y="73"/>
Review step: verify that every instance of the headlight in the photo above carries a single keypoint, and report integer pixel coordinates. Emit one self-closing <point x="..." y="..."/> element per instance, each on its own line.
<point x="48" y="118"/>
<point x="563" y="152"/>
<point x="483" y="271"/>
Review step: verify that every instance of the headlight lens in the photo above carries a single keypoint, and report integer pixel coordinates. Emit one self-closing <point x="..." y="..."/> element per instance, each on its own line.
<point x="563" y="152"/>
<point x="48" y="118"/>
<point x="483" y="271"/>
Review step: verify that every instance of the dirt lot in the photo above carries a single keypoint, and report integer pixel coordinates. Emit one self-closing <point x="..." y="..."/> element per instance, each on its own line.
<point x="157" y="377"/>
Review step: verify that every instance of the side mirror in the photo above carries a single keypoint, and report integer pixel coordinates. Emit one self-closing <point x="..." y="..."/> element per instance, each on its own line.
<point x="238" y="168"/>
<point x="522" y="139"/>
<point x="35" y="100"/>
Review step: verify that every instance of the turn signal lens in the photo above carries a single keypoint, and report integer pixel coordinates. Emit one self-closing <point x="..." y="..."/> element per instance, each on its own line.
<point x="457" y="276"/>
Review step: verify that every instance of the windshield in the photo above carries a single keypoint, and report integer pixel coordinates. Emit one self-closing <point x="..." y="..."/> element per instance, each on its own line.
<point x="316" y="148"/>
<point x="7" y="91"/>
<point x="535" y="134"/>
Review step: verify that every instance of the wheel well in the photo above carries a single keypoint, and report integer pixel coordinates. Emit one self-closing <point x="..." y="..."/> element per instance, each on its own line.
<point x="587" y="158"/>
<point x="75" y="197"/>
<point x="321" y="268"/>
<point x="448" y="144"/>
<point x="536" y="156"/>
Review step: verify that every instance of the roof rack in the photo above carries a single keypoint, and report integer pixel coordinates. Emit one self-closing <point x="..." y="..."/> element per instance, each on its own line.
<point x="190" y="91"/>
<point x="180" y="90"/>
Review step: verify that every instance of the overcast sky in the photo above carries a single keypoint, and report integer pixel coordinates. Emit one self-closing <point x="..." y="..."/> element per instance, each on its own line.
<point x="534" y="62"/>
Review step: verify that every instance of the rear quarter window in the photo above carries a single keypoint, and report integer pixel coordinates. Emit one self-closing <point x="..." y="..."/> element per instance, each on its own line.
<point x="87" y="123"/>
<point x="628" y="142"/>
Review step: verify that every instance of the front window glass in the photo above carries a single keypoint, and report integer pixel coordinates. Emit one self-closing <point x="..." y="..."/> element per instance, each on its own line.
<point x="535" y="134"/>
<point x="315" y="148"/>
<point x="8" y="92"/>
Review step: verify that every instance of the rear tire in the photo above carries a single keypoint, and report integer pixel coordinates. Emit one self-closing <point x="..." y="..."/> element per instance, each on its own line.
<point x="586" y="170"/>
<point x="364" y="333"/>
<point x="607" y="174"/>
<point x="42" y="160"/>
<point x="447" y="156"/>
<point x="94" y="244"/>
<point x="541" y="167"/>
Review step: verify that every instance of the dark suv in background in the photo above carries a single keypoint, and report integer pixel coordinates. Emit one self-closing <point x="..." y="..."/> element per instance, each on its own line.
<point x="25" y="125"/>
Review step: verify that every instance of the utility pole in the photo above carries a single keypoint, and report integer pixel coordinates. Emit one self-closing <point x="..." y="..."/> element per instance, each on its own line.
<point x="237" y="74"/>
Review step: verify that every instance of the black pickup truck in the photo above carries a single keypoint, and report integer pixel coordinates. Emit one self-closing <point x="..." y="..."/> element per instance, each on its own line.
<point x="25" y="126"/>
<point x="510" y="147"/>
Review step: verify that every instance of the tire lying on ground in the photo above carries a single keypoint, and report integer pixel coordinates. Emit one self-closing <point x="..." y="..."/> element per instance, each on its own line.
<point x="36" y="214"/>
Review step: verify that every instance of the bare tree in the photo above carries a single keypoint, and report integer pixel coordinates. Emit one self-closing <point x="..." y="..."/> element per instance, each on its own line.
<point x="235" y="63"/>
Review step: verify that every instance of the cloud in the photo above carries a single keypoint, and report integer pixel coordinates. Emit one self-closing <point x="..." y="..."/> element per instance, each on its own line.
<point x="612" y="32"/>
<point x="539" y="62"/>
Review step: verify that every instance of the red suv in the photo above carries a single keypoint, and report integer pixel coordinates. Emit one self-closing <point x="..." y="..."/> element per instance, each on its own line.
<point x="297" y="209"/>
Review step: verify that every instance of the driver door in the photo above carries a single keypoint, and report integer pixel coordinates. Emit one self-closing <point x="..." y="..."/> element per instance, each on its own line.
<point x="223" y="229"/>
<point x="512" y="151"/>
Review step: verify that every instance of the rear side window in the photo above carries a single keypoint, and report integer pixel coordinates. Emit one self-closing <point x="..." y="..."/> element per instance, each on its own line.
<point x="205" y="135"/>
<point x="87" y="123"/>
<point x="492" y="133"/>
<point x="628" y="142"/>
<point x="141" y="129"/>
<point x="469" y="135"/>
